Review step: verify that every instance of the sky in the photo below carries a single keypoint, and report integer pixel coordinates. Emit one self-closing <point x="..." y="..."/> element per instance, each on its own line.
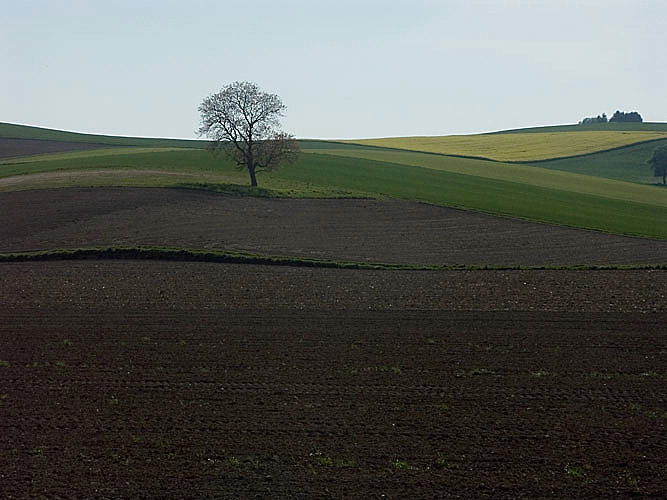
<point x="344" y="69"/>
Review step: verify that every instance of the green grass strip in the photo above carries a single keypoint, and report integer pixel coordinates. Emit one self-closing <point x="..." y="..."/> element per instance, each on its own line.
<point x="221" y="256"/>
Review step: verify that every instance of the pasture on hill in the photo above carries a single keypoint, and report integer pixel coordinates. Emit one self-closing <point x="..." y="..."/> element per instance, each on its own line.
<point x="553" y="192"/>
<point x="520" y="147"/>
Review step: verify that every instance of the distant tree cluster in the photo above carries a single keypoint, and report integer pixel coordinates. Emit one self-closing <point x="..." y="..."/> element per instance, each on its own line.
<point x="618" y="117"/>
<point x="595" y="119"/>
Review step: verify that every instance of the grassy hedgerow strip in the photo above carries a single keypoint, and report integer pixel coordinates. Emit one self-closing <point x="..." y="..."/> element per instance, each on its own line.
<point x="185" y="255"/>
<point x="221" y="256"/>
<point x="231" y="189"/>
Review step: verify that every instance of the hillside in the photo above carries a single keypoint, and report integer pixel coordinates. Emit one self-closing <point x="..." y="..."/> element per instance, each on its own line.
<point x="14" y="131"/>
<point x="554" y="191"/>
<point x="525" y="146"/>
<point x="604" y="127"/>
<point x="626" y="164"/>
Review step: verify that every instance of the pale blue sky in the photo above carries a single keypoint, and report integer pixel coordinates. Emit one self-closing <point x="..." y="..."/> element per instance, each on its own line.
<point x="349" y="68"/>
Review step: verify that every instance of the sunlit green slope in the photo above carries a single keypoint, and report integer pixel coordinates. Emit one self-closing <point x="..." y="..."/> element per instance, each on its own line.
<point x="520" y="147"/>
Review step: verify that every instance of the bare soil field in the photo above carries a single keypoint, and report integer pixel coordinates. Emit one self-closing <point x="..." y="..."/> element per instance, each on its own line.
<point x="126" y="379"/>
<point x="149" y="379"/>
<point x="356" y="230"/>
<point x="10" y="148"/>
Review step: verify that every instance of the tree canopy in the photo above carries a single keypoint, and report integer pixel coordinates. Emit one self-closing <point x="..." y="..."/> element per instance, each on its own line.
<point x="621" y="116"/>
<point x="595" y="119"/>
<point x="243" y="121"/>
<point x="618" y="117"/>
<point x="659" y="163"/>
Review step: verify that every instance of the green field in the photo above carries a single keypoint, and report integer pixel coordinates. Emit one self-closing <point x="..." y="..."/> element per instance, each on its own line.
<point x="625" y="164"/>
<point x="520" y="147"/>
<point x="551" y="191"/>
<point x="25" y="132"/>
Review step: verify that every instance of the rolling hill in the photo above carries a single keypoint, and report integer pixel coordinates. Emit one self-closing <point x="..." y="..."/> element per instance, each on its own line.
<point x="590" y="191"/>
<point x="518" y="146"/>
<point x="15" y="131"/>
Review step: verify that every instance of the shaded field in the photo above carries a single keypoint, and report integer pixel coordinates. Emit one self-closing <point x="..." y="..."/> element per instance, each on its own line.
<point x="353" y="230"/>
<point x="10" y="148"/>
<point x="172" y="380"/>
<point x="626" y="164"/>
<point x="14" y="131"/>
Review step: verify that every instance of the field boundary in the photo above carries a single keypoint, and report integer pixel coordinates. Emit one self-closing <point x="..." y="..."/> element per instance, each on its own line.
<point x="434" y="153"/>
<point x="228" y="257"/>
<point x="510" y="162"/>
<point x="583" y="155"/>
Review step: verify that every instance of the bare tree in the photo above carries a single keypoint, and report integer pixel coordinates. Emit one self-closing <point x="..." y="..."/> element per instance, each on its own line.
<point x="244" y="122"/>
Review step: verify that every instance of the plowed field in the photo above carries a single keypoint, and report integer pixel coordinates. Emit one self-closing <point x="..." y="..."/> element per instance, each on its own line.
<point x="359" y="230"/>
<point x="147" y="379"/>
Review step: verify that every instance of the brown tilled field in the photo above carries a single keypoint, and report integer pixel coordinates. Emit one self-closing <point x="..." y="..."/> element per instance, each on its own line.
<point x="357" y="230"/>
<point x="149" y="379"/>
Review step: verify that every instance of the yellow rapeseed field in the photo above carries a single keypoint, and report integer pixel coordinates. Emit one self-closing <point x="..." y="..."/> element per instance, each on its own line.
<point x="518" y="146"/>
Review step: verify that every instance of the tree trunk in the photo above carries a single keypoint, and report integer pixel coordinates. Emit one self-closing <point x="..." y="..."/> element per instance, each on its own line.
<point x="250" y="163"/>
<point x="253" y="178"/>
<point x="663" y="179"/>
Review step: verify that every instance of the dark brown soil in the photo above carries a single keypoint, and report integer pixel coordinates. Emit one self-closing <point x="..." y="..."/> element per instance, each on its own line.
<point x="358" y="230"/>
<point x="193" y="380"/>
<point x="10" y="148"/>
<point x="147" y="379"/>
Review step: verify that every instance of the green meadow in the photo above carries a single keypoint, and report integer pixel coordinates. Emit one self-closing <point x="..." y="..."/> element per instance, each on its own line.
<point x="521" y="147"/>
<point x="611" y="191"/>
